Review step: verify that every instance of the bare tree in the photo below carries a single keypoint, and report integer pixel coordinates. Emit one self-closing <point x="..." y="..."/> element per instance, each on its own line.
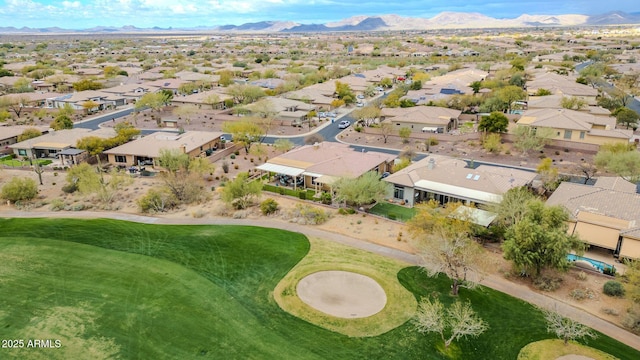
<point x="458" y="321"/>
<point x="565" y="328"/>
<point x="386" y="129"/>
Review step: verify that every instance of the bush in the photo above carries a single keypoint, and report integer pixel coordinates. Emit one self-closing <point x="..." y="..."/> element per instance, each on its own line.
<point x="346" y="211"/>
<point x="631" y="320"/>
<point x="310" y="214"/>
<point x="157" y="200"/>
<point x="70" y="188"/>
<point x="326" y="198"/>
<point x="613" y="288"/>
<point x="56" y="205"/>
<point x="547" y="283"/>
<point x="581" y="294"/>
<point x="268" y="206"/>
<point x="19" y="189"/>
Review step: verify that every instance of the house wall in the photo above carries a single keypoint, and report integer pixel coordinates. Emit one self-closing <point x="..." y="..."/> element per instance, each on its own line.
<point x="630" y="248"/>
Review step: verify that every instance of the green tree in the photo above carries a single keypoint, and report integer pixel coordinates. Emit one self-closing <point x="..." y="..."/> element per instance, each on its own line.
<point x="66" y="110"/>
<point x="90" y="180"/>
<point x="241" y="193"/>
<point x="366" y="115"/>
<point x="154" y="100"/>
<point x="404" y="133"/>
<point x="572" y="103"/>
<point x="510" y="94"/>
<point x="548" y="174"/>
<point x="213" y="100"/>
<point x="246" y="132"/>
<point x="458" y="321"/>
<point x="245" y="94"/>
<point x="622" y="163"/>
<point x="476" y="86"/>
<point x="283" y="145"/>
<point x="363" y="190"/>
<point x="61" y="122"/>
<point x="443" y="241"/>
<point x="492" y="143"/>
<point x="183" y="176"/>
<point x="496" y="122"/>
<point x="513" y="206"/>
<point x="29" y="133"/>
<point x="344" y="93"/>
<point x="540" y="240"/>
<point x="22" y="85"/>
<point x="626" y="116"/>
<point x="86" y="84"/>
<point x="19" y="189"/>
<point x="528" y="138"/>
<point x="94" y="145"/>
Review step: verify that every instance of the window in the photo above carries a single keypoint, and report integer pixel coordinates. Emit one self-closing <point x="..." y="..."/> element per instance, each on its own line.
<point x="398" y="192"/>
<point x="121" y="159"/>
<point x="581" y="134"/>
<point x="567" y="134"/>
<point x="22" y="152"/>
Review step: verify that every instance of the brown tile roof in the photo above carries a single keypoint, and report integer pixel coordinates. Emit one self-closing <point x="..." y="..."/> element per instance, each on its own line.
<point x="150" y="145"/>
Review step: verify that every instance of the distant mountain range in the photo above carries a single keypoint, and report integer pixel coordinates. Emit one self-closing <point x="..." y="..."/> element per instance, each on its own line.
<point x="444" y="20"/>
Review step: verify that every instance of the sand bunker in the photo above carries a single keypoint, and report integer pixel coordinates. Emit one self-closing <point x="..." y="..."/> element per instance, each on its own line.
<point x="342" y="294"/>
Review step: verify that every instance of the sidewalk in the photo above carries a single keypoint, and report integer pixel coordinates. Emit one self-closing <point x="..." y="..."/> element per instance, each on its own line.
<point x="494" y="282"/>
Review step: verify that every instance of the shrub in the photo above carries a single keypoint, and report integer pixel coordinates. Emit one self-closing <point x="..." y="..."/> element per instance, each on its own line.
<point x="631" y="320"/>
<point x="326" y="198"/>
<point x="610" y="311"/>
<point x="70" y="188"/>
<point x="346" y="211"/>
<point x="311" y="214"/>
<point x="547" y="283"/>
<point x="198" y="214"/>
<point x="232" y="156"/>
<point x="19" y="189"/>
<point x="157" y="200"/>
<point x="613" y="288"/>
<point x="268" y="206"/>
<point x="225" y="167"/>
<point x="582" y="276"/>
<point x="581" y="294"/>
<point x="56" y="205"/>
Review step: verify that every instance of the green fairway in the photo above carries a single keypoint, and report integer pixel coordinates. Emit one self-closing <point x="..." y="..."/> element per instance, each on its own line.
<point x="114" y="289"/>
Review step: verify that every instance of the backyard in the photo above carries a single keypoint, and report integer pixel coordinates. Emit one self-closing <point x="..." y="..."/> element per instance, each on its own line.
<point x="128" y="290"/>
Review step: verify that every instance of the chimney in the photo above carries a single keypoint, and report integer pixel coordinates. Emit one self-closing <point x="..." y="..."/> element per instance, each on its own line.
<point x="183" y="148"/>
<point x="431" y="164"/>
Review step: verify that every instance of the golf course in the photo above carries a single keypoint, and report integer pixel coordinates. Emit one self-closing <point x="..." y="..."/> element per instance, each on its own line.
<point x="123" y="290"/>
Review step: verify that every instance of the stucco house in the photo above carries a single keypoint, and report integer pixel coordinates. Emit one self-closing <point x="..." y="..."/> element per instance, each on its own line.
<point x="604" y="215"/>
<point x="50" y="145"/>
<point x="432" y="119"/>
<point x="445" y="179"/>
<point x="320" y="165"/>
<point x="576" y="126"/>
<point x="146" y="150"/>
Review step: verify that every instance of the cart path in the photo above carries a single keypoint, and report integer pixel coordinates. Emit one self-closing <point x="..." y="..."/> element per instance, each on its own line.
<point x="491" y="281"/>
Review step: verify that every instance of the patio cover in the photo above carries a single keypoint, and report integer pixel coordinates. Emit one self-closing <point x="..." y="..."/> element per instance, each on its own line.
<point x="280" y="169"/>
<point x="476" y="216"/>
<point x="326" y="179"/>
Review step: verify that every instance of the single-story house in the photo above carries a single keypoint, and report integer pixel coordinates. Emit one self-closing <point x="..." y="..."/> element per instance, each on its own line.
<point x="432" y="119"/>
<point x="606" y="214"/>
<point x="321" y="164"/>
<point x="446" y="179"/>
<point x="9" y="134"/>
<point x="103" y="100"/>
<point x="576" y="126"/>
<point x="146" y="150"/>
<point x="287" y="111"/>
<point x="51" y="144"/>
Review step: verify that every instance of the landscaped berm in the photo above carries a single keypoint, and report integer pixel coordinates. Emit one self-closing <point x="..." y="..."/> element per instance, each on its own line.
<point x="121" y="290"/>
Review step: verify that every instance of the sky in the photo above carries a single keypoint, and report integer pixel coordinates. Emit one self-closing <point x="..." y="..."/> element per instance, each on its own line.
<point x="82" y="14"/>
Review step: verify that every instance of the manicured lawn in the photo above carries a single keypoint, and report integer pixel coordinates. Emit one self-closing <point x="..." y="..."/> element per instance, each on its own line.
<point x="19" y="163"/>
<point x="106" y="287"/>
<point x="393" y="211"/>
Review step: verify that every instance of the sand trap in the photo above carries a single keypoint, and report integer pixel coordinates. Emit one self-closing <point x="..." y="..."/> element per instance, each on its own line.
<point x="342" y="294"/>
<point x="574" y="357"/>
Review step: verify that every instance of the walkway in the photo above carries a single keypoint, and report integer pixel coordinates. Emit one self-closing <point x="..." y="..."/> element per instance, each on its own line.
<point x="492" y="281"/>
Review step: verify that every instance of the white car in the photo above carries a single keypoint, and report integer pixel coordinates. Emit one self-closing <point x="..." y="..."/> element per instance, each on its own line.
<point x="344" y="124"/>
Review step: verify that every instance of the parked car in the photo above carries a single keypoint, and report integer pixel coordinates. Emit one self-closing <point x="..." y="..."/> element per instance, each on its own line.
<point x="344" y="124"/>
<point x="360" y="104"/>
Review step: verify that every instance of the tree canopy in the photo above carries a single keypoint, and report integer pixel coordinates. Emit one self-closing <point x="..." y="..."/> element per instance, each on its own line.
<point x="61" y="122"/>
<point x="363" y="190"/>
<point x="540" y="239"/>
<point x="246" y="132"/>
<point x="241" y="193"/>
<point x="444" y="243"/>
<point x="496" y="122"/>
<point x="624" y="162"/>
